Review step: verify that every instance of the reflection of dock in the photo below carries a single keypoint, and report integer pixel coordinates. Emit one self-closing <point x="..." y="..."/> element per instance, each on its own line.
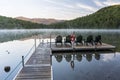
<point x="38" y="67"/>
<point x="63" y="48"/>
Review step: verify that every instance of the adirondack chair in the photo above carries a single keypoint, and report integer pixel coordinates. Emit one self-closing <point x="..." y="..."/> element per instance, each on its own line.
<point x="89" y="40"/>
<point x="58" y="39"/>
<point x="67" y="39"/>
<point x="79" y="40"/>
<point x="98" y="40"/>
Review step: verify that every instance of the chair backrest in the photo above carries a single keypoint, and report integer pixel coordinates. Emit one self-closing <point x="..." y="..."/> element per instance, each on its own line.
<point x="79" y="38"/>
<point x="68" y="38"/>
<point x="90" y="38"/>
<point x="58" y="38"/>
<point x="97" y="38"/>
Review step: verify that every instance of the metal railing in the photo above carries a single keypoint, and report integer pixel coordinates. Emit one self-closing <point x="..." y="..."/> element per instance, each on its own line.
<point x="18" y="66"/>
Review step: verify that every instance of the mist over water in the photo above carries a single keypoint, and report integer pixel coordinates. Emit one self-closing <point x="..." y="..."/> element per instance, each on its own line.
<point x="7" y="35"/>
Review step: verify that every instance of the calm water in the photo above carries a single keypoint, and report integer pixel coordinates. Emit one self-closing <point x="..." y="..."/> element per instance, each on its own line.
<point x="86" y="66"/>
<point x="11" y="53"/>
<point x="67" y="66"/>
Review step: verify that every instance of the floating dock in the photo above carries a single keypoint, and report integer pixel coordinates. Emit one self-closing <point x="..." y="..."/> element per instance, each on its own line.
<point x="68" y="47"/>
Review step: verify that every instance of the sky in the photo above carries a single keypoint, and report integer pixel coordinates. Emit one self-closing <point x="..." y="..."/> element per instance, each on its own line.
<point x="57" y="9"/>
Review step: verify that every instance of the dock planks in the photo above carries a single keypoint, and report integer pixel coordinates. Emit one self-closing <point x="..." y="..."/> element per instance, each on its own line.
<point x="68" y="47"/>
<point x="38" y="67"/>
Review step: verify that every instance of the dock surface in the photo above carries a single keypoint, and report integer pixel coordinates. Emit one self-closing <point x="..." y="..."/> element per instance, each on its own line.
<point x="38" y="67"/>
<point x="68" y="47"/>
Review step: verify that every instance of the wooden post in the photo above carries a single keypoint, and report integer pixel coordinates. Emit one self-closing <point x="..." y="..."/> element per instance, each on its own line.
<point x="114" y="49"/>
<point x="95" y="47"/>
<point x="50" y="40"/>
<point x="39" y="39"/>
<point x="35" y="43"/>
<point x="23" y="61"/>
<point x="51" y="59"/>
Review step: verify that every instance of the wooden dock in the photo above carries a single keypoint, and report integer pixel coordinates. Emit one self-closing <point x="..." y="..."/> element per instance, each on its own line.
<point x="64" y="48"/>
<point x="38" y="67"/>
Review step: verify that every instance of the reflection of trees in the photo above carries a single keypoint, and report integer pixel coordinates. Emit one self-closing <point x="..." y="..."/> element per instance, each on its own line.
<point x="58" y="58"/>
<point x="97" y="56"/>
<point x="89" y="57"/>
<point x="79" y="57"/>
<point x="68" y="57"/>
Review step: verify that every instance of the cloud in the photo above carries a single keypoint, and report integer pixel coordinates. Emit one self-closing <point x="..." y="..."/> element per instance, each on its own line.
<point x="98" y="3"/>
<point x="58" y="3"/>
<point x="73" y="6"/>
<point x="107" y="57"/>
<point x="86" y="7"/>
<point x="50" y="1"/>
<point x="69" y="6"/>
<point x="62" y="9"/>
<point x="111" y="2"/>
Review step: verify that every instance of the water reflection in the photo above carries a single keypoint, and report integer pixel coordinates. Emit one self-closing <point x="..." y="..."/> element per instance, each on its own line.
<point x="59" y="58"/>
<point x="97" y="56"/>
<point x="72" y="64"/>
<point x="72" y="61"/>
<point x="87" y="66"/>
<point x="72" y="57"/>
<point x="89" y="57"/>
<point x="68" y="57"/>
<point x="10" y="57"/>
<point x="79" y="57"/>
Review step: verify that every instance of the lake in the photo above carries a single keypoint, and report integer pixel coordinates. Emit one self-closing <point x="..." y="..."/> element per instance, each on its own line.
<point x="66" y="66"/>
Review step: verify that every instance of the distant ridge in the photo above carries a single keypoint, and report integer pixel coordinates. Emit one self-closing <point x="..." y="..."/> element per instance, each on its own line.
<point x="105" y="18"/>
<point x="12" y="23"/>
<point x="40" y="20"/>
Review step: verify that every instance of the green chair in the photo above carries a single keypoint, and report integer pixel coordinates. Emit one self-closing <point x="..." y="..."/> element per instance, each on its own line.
<point x="79" y="40"/>
<point x="67" y="40"/>
<point x="89" y="40"/>
<point x="98" y="40"/>
<point x="58" y="39"/>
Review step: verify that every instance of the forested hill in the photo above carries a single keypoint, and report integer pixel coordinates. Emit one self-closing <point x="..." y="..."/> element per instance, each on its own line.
<point x="11" y="23"/>
<point x="105" y="18"/>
